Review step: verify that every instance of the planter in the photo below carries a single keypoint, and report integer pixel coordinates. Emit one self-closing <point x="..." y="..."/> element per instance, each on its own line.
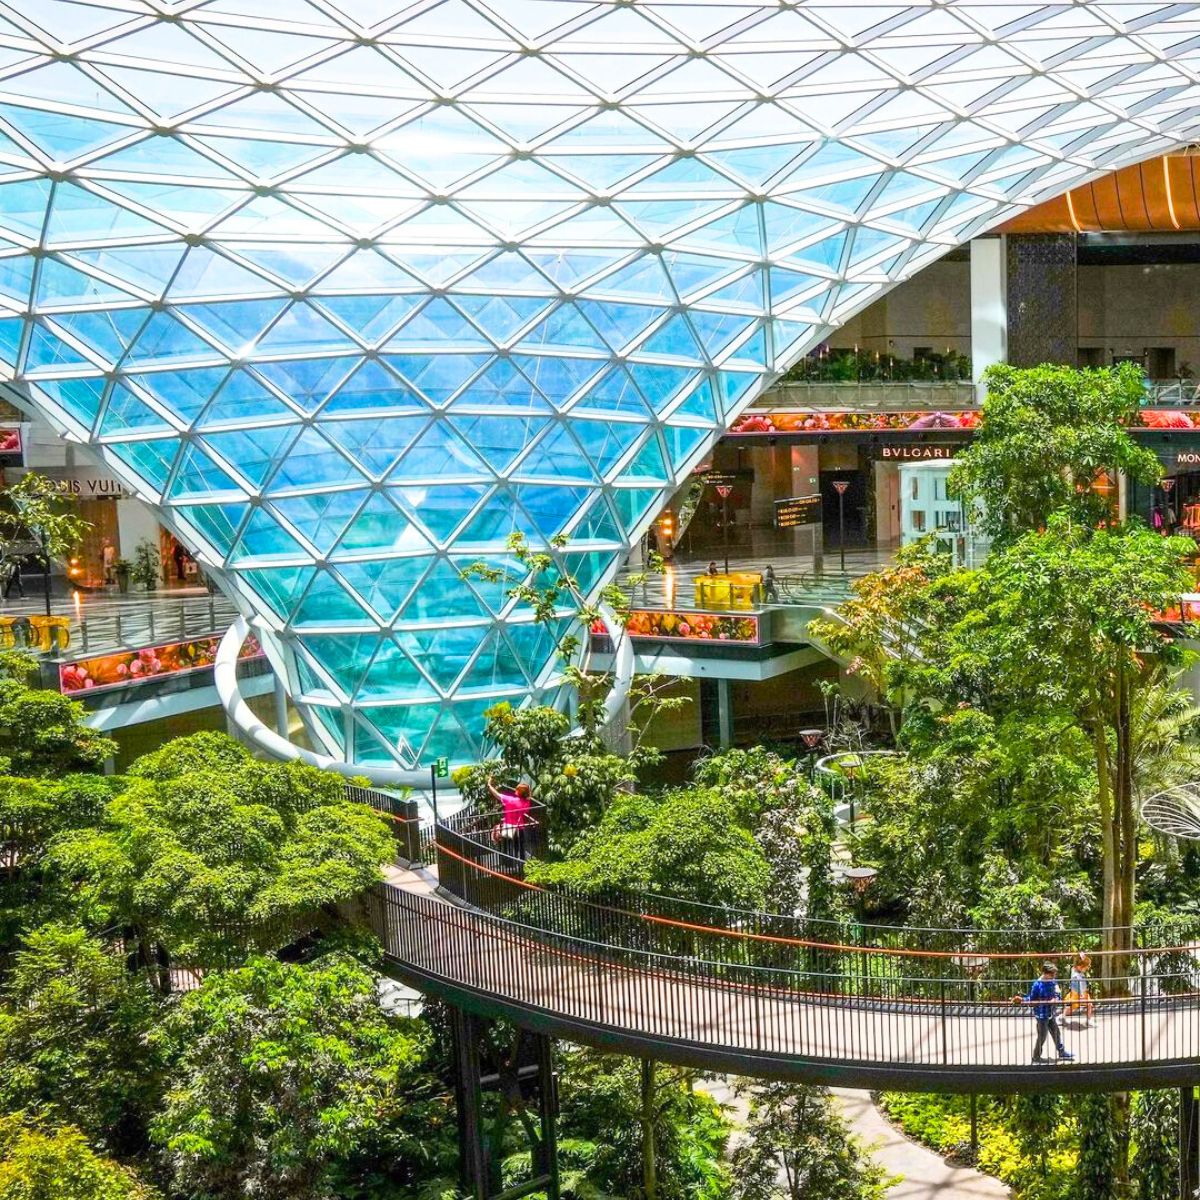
<point x="122" y="581"/>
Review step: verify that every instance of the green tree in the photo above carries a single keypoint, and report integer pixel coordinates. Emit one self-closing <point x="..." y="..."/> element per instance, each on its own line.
<point x="1154" y="1131"/>
<point x="208" y="862"/>
<point x="40" y="1163"/>
<point x="1044" y="434"/>
<point x="42" y="513"/>
<point x="32" y="813"/>
<point x="1096" y="1175"/>
<point x="43" y="733"/>
<point x="290" y="1083"/>
<point x="798" y="1147"/>
<point x="73" y="1038"/>
<point x="1061" y="624"/>
<point x="1035" y="1118"/>
<point x="686" y="843"/>
<point x="641" y="1132"/>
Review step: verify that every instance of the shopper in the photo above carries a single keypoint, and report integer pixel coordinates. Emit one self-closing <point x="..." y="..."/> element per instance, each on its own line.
<point x="515" y="804"/>
<point x="712" y="568"/>
<point x="108" y="560"/>
<point x="1079" y="994"/>
<point x="1046" y="998"/>
<point x="770" y="587"/>
<point x="10" y="577"/>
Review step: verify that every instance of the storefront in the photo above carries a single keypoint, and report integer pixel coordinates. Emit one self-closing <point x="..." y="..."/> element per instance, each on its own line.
<point x="1172" y="505"/>
<point x="852" y="460"/>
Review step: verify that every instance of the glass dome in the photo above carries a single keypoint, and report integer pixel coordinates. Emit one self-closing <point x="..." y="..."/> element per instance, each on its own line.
<point x="351" y="291"/>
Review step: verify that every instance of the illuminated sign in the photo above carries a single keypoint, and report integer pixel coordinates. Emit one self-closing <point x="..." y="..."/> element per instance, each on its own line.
<point x="917" y="453"/>
<point x="797" y="510"/>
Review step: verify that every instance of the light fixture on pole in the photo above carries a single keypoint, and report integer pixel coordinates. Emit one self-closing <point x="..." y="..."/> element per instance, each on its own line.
<point x="811" y="740"/>
<point x="841" y="486"/>
<point x="860" y="878"/>
<point x="723" y="490"/>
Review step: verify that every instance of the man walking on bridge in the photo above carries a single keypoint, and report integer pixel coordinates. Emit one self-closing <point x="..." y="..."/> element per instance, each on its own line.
<point x="1046" y="998"/>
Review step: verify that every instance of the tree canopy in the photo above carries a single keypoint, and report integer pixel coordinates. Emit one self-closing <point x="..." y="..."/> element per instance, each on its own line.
<point x="196" y="859"/>
<point x="289" y="1083"/>
<point x="1044" y="434"/>
<point x="686" y="843"/>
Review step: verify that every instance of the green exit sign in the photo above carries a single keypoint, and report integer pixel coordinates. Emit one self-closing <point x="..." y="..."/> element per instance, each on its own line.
<point x="441" y="768"/>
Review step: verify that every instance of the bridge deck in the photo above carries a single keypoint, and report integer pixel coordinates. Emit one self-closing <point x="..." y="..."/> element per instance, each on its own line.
<point x="647" y="1004"/>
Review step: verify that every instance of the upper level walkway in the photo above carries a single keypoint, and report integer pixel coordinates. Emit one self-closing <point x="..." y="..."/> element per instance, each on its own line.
<point x="765" y="995"/>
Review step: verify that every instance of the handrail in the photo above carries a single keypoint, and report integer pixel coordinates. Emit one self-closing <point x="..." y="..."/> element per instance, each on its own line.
<point x="814" y="1021"/>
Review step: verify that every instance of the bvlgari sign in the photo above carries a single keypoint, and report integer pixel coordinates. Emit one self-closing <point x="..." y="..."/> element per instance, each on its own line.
<point x="916" y="453"/>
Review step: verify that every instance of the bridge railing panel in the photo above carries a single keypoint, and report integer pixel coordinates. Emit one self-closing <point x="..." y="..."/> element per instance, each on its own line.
<point x="916" y="1020"/>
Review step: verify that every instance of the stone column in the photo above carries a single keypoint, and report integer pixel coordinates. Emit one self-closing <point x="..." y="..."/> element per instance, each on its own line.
<point x="989" y="306"/>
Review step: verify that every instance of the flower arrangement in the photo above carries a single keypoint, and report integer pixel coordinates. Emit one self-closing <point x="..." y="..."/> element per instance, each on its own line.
<point x="136" y="666"/>
<point x="691" y="626"/>
<point x="854" y="422"/>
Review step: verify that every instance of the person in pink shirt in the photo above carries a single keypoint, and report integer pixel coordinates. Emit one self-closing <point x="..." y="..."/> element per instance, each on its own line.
<point x="515" y="804"/>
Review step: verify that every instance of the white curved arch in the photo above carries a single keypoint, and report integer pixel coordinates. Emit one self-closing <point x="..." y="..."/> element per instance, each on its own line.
<point x="277" y="746"/>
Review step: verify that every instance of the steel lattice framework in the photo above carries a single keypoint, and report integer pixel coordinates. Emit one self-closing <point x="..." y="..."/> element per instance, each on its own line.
<point x="352" y="290"/>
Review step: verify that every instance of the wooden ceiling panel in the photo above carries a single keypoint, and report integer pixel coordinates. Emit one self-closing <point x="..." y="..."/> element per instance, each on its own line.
<point x="1160" y="195"/>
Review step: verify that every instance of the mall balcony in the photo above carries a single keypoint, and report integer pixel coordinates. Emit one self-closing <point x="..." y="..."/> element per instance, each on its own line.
<point x="140" y="662"/>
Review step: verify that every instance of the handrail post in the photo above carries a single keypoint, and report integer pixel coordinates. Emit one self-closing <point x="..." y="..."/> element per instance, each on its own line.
<point x="945" y="1031"/>
<point x="1143" y="989"/>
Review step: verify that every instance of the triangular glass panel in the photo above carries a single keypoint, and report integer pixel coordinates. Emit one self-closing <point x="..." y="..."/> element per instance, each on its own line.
<point x="440" y="510"/>
<point x="499" y="438"/>
<point x="556" y="456"/>
<point x="312" y="462"/>
<point x="252" y="453"/>
<point x="198" y="477"/>
<point x="599" y="525"/>
<point x="278" y="586"/>
<point x="217" y="524"/>
<point x="370" y="318"/>
<point x="377" y="443"/>
<point x="126" y="411"/>
<point x="495" y="667"/>
<point x="265" y="539"/>
<point x="384" y="585"/>
<point x="648" y="465"/>
<point x="605" y="441"/>
<point x="237" y="323"/>
<point x="633" y="504"/>
<point x="321" y="516"/>
<point x="380" y="528"/>
<point x="550" y="507"/>
<point x="80" y="399"/>
<point x="442" y="594"/>
<point x="441" y="452"/>
<point x="183" y="393"/>
<point x="393" y="673"/>
<point x="328" y="603"/>
<point x="149" y="461"/>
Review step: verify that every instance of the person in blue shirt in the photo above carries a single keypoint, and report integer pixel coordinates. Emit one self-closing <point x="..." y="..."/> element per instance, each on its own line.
<point x="1046" y="998"/>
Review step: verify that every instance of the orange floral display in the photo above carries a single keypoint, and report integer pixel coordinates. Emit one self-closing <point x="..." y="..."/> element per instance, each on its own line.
<point x="688" y="626"/>
<point x="961" y="419"/>
<point x="854" y="422"/>
<point x="151" y="662"/>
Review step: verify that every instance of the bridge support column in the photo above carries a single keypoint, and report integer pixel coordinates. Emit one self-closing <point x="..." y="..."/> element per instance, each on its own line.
<point x="1189" y="1143"/>
<point x="522" y="1078"/>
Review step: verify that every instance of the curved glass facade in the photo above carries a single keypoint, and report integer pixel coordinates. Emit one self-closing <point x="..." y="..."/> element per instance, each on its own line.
<point x="352" y="290"/>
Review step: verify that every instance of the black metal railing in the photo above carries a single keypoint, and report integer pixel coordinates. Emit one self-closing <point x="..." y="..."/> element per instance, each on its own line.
<point x="880" y="962"/>
<point x="931" y="1015"/>
<point x="413" y="845"/>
